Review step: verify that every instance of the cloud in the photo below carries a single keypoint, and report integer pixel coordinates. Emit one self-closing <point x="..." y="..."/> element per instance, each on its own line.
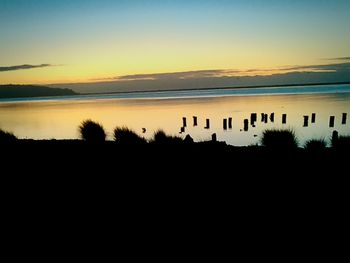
<point x="339" y="58"/>
<point x="25" y="66"/>
<point x="222" y="73"/>
<point x="176" y="75"/>
<point x="170" y="75"/>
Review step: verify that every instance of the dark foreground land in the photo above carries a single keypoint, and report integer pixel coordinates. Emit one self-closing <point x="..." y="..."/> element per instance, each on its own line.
<point x="204" y="171"/>
<point x="73" y="187"/>
<point x="206" y="159"/>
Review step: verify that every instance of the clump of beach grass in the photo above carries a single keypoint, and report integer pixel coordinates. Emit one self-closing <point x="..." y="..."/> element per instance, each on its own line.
<point x="124" y="135"/>
<point x="91" y="131"/>
<point x="6" y="137"/>
<point x="279" y="139"/>
<point x="341" y="142"/>
<point x="315" y="144"/>
<point x="160" y="137"/>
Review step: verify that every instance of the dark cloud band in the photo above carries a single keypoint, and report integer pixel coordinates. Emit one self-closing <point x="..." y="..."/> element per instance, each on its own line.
<point x="340" y="58"/>
<point x="220" y="73"/>
<point x="25" y="66"/>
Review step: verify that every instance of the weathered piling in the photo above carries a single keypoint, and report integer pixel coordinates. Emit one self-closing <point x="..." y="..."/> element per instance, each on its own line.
<point x="207" y="124"/>
<point x="213" y="137"/>
<point x="343" y="119"/>
<point x="253" y="118"/>
<point x="331" y="121"/>
<point x="182" y="130"/>
<point x="335" y="136"/>
<point x="195" y="121"/>
<point x="313" y="117"/>
<point x="306" y="121"/>
<point x="225" y="124"/>
<point x="230" y="123"/>
<point x="262" y="117"/>
<point x="284" y="118"/>
<point x="246" y="124"/>
<point x="184" y="122"/>
<point x="266" y="118"/>
<point x="272" y="117"/>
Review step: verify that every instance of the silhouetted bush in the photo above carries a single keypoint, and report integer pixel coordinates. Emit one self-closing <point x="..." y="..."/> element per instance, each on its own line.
<point x="160" y="137"/>
<point x="6" y="137"/>
<point x="124" y="135"/>
<point x="279" y="139"/>
<point x="315" y="145"/>
<point x="91" y="131"/>
<point x="342" y="142"/>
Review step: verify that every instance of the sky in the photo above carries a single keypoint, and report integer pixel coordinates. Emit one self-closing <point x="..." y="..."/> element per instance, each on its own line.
<point x="78" y="41"/>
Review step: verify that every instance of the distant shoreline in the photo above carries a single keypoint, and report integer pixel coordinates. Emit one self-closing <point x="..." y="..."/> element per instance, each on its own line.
<point x="71" y="94"/>
<point x="12" y="91"/>
<point x="215" y="88"/>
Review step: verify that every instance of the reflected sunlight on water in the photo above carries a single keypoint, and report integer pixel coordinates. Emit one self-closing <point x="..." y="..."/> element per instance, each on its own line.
<point x="60" y="119"/>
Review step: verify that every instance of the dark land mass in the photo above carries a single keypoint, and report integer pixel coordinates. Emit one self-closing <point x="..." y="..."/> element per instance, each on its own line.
<point x="218" y="88"/>
<point x="25" y="91"/>
<point x="77" y="186"/>
<point x="202" y="159"/>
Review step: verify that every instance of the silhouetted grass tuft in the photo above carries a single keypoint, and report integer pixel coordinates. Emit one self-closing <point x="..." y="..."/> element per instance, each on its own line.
<point x="342" y="142"/>
<point x="6" y="137"/>
<point x="315" y="145"/>
<point x="91" y="131"/>
<point x="279" y="139"/>
<point x="124" y="135"/>
<point x="160" y="137"/>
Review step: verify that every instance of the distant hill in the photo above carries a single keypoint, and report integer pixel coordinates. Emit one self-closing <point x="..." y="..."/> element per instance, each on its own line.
<point x="25" y="91"/>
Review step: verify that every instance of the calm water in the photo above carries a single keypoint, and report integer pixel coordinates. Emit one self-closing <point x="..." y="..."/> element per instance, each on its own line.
<point x="59" y="118"/>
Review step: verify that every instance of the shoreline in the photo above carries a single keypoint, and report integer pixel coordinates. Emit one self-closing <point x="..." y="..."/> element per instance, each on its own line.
<point x="217" y="88"/>
<point x="77" y="95"/>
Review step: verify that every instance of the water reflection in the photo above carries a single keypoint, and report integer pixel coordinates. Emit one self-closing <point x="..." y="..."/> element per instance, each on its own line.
<point x="234" y="119"/>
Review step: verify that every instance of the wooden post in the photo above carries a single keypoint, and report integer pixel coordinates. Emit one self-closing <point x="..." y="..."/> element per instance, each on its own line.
<point x="182" y="130"/>
<point x="335" y="136"/>
<point x="253" y="119"/>
<point x="184" y="122"/>
<point x="284" y="118"/>
<point x="343" y="119"/>
<point x="306" y="121"/>
<point x="195" y="123"/>
<point x="313" y="118"/>
<point x="331" y="121"/>
<point x="266" y="118"/>
<point x="225" y="124"/>
<point x="272" y="117"/>
<point x="207" y="122"/>
<point x="246" y="124"/>
<point x="262" y="117"/>
<point x="213" y="137"/>
<point x="230" y="123"/>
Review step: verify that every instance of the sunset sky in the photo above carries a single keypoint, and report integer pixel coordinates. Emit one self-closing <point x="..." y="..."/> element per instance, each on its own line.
<point x="70" y="41"/>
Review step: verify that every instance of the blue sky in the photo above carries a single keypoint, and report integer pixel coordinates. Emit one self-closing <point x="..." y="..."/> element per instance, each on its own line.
<point x="83" y="40"/>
